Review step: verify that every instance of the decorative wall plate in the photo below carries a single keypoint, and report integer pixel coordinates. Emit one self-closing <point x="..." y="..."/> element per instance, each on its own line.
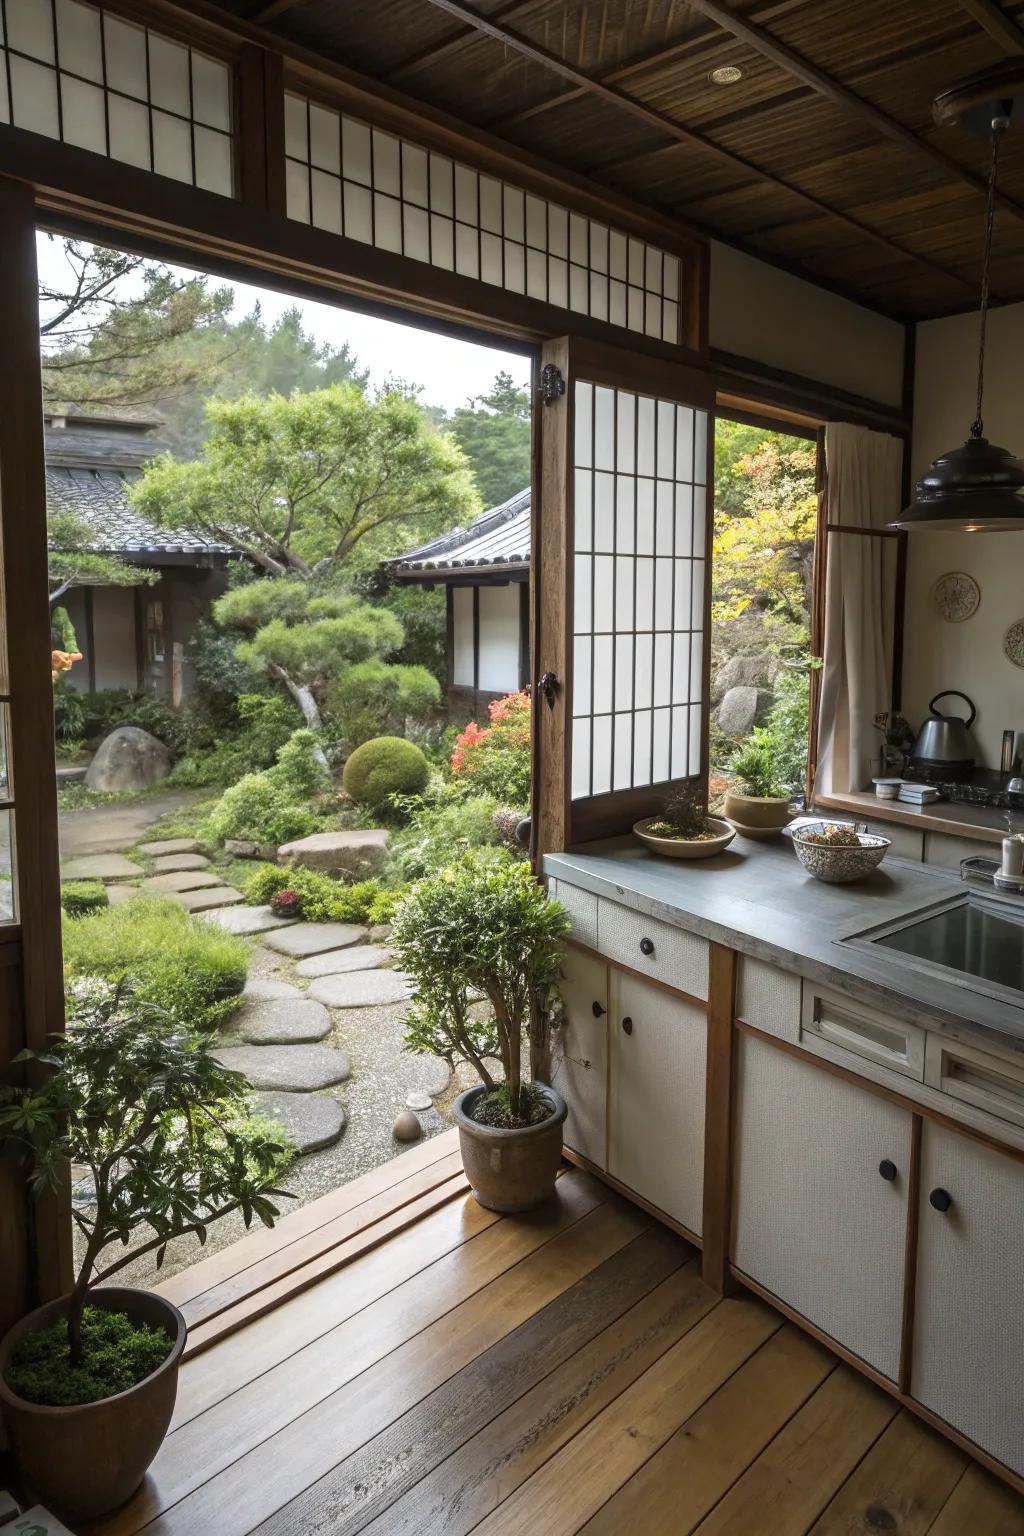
<point x="1013" y="643"/>
<point x="956" y="596"/>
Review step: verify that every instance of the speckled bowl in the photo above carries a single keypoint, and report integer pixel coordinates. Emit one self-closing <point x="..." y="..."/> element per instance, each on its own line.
<point x="838" y="865"/>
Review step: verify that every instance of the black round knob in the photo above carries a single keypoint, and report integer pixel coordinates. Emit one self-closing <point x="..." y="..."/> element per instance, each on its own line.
<point x="597" y="1010"/>
<point x="940" y="1199"/>
<point x="627" y="1025"/>
<point x="647" y="946"/>
<point x="887" y="1168"/>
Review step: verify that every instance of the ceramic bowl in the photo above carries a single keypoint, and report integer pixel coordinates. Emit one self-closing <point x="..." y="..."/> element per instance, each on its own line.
<point x="887" y="789"/>
<point x="673" y="848"/>
<point x="839" y="865"/>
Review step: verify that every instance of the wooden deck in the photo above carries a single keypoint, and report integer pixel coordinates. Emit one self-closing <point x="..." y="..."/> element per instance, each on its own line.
<point x="438" y="1370"/>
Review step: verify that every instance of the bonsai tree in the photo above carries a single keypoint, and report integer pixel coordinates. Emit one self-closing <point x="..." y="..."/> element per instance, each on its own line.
<point x="168" y="1139"/>
<point x="685" y="814"/>
<point x="485" y="923"/>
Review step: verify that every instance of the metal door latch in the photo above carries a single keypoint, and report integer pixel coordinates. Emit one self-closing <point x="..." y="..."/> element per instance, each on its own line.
<point x="552" y="383"/>
<point x="547" y="688"/>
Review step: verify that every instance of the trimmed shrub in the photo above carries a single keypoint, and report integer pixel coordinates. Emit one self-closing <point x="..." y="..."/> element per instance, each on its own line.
<point x="260" y="726"/>
<point x="385" y="766"/>
<point x="322" y="898"/>
<point x="78" y="897"/>
<point x="192" y="969"/>
<point x="443" y="828"/>
<point x="259" y="810"/>
<point x="373" y="696"/>
<point x="495" y="758"/>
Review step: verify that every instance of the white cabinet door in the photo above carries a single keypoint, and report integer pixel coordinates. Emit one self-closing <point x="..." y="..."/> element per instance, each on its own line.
<point x="817" y="1222"/>
<point x="658" y="1046"/>
<point x="968" y="1363"/>
<point x="580" y="1054"/>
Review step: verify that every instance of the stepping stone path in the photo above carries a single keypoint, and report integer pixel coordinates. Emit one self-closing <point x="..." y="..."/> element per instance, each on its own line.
<point x="264" y="989"/>
<point x="362" y="989"/>
<point x="302" y="939"/>
<point x="173" y="863"/>
<point x="170" y="845"/>
<point x="418" y="1100"/>
<point x="283" y="1021"/>
<point x="187" y="880"/>
<point x="202" y="901"/>
<point x="239" y="919"/>
<point x="361" y="957"/>
<point x="309" y="1120"/>
<point x="295" y="1068"/>
<point x="100" y="866"/>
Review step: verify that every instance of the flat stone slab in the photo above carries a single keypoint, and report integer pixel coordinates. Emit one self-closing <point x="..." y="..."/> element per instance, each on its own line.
<point x="361" y="957"/>
<point x="246" y="919"/>
<point x="202" y="901"/>
<point x="307" y="1119"/>
<point x="100" y="866"/>
<point x="187" y="880"/>
<point x="303" y="939"/>
<point x="419" y="1100"/>
<point x="352" y="853"/>
<point x="171" y="863"/>
<point x="170" y="845"/>
<point x="296" y="1068"/>
<point x="362" y="989"/>
<point x="264" y="989"/>
<point x="283" y="1021"/>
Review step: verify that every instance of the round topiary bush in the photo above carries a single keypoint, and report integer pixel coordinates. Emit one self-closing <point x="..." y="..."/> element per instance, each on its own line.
<point x="385" y="766"/>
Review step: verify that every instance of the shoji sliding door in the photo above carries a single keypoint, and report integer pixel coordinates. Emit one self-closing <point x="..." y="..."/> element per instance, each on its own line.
<point x="621" y="581"/>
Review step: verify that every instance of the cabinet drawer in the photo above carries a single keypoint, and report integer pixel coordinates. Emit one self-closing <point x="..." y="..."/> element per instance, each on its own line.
<point x="768" y="998"/>
<point x="582" y="909"/>
<point x="862" y="1031"/>
<point x="993" y="1083"/>
<point x="654" y="948"/>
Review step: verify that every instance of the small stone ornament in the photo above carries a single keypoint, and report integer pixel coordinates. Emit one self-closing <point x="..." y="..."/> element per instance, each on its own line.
<point x="956" y="596"/>
<point x="407" y="1127"/>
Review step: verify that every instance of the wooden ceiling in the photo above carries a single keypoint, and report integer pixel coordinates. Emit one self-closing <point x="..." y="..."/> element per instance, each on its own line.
<point x="823" y="157"/>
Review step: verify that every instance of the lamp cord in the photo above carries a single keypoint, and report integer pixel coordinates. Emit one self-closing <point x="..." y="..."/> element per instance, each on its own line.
<point x="998" y="129"/>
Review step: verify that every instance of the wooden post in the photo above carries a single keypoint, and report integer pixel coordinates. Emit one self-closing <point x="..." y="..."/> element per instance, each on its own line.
<point x="718" y="1148"/>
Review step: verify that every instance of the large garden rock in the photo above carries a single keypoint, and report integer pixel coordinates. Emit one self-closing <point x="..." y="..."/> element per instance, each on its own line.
<point x="742" y="709"/>
<point x="295" y="1068"/>
<point x="309" y="1120"/>
<point x="303" y="939"/>
<point x="359" y="853"/>
<point x="129" y="758"/>
<point x="283" y="1021"/>
<point x="362" y="989"/>
<point x="757" y="671"/>
<point x="361" y="957"/>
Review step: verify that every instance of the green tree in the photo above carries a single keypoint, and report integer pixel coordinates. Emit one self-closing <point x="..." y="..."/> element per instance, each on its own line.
<point x="493" y="431"/>
<point x="320" y="482"/>
<point x="762" y="550"/>
<point x="72" y="562"/>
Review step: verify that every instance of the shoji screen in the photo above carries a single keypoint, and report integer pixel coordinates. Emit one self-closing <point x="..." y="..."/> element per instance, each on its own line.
<point x="638" y="574"/>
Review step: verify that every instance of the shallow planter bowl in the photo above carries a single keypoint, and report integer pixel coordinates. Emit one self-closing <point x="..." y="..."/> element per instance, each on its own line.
<point x="839" y="865"/>
<point x="684" y="848"/>
<point x="84" y="1461"/>
<point x="510" y="1170"/>
<point x="758" y="815"/>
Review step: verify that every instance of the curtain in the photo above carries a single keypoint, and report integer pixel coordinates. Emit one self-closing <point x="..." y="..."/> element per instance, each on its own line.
<point x="862" y="491"/>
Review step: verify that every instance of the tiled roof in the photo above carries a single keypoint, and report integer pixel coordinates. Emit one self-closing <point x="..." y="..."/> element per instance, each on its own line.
<point x="498" y="539"/>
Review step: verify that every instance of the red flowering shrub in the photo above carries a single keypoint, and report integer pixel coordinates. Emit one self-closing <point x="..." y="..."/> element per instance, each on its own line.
<point x="496" y="757"/>
<point x="286" y="904"/>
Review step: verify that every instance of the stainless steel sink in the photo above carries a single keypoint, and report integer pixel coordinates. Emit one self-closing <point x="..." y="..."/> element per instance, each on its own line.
<point x="976" y="941"/>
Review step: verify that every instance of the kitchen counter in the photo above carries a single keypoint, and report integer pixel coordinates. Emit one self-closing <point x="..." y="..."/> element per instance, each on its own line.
<point x="756" y="898"/>
<point x="984" y="823"/>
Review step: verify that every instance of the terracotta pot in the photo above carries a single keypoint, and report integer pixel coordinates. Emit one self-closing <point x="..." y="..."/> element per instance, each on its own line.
<point x="511" y="1170"/>
<point x="758" y="814"/>
<point x="86" y="1460"/>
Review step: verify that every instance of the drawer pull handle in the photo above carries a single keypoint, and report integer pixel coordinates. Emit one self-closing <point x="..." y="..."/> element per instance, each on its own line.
<point x="597" y="1010"/>
<point x="627" y="1025"/>
<point x="940" y="1199"/>
<point x="647" y="946"/>
<point x="887" y="1168"/>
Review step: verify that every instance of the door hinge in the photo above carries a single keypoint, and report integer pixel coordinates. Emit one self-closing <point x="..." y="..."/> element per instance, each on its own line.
<point x="552" y="383"/>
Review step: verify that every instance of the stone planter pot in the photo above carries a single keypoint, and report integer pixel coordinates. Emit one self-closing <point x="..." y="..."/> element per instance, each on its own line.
<point x="510" y="1170"/>
<point x="758" y="816"/>
<point x="86" y="1460"/>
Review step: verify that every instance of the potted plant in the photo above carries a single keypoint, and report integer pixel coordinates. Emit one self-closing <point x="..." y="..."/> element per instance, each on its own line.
<point x="684" y="830"/>
<point x="87" y="1382"/>
<point x="484" y="925"/>
<point x="757" y="804"/>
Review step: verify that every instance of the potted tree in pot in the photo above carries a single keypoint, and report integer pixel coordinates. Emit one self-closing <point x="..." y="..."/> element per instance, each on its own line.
<point x="88" y="1382"/>
<point x="758" y="804"/>
<point x="484" y="925"/>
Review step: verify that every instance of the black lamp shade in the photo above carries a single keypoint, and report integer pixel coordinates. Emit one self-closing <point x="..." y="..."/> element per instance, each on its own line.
<point x="978" y="488"/>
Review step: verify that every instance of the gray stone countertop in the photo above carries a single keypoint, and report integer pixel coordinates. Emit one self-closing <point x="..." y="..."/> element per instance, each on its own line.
<point x="756" y="898"/>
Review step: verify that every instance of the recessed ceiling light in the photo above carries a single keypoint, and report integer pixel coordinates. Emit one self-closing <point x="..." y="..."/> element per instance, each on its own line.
<point x="726" y="74"/>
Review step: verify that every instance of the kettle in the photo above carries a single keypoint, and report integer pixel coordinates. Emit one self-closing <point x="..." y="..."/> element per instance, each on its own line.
<point x="942" y="741"/>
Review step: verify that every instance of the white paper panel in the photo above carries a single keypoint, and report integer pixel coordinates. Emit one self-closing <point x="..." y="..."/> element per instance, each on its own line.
<point x="463" y="660"/>
<point x="499" y="639"/>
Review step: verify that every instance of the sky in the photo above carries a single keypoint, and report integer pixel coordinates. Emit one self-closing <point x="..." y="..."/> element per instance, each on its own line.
<point x="449" y="371"/>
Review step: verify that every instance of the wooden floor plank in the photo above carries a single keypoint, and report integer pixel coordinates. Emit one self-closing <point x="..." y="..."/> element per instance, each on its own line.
<point x="900" y="1486"/>
<point x="980" y="1505"/>
<point x="266" y="1467"/>
<point x="466" y="1487"/>
<point x="675" y="1489"/>
<point x="793" y="1479"/>
<point x="363" y="1486"/>
<point x="572" y="1485"/>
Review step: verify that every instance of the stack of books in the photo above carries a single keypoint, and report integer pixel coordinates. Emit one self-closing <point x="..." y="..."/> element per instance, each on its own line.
<point x="918" y="794"/>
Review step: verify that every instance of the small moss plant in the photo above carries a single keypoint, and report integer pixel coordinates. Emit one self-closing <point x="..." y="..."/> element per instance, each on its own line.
<point x="685" y="816"/>
<point x="116" y="1355"/>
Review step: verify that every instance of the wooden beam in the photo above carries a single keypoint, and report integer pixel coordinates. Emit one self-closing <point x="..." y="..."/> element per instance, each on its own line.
<point x="653" y="118"/>
<point x="451" y="42"/>
<point x="996" y="23"/>
<point x="262" y="11"/>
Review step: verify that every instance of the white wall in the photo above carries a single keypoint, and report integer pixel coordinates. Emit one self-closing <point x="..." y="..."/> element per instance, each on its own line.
<point x="499" y="639"/>
<point x="970" y="655"/>
<point x="462" y="626"/>
<point x="113" y="627"/>
<point x="761" y="312"/>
